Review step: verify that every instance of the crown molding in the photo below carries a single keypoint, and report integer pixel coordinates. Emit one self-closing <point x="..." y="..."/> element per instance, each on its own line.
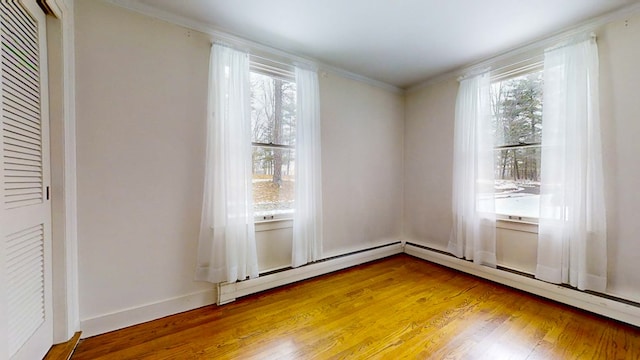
<point x="533" y="47"/>
<point x="218" y="34"/>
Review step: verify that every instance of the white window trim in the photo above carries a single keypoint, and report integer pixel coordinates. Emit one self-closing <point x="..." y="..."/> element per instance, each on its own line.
<point x="273" y="68"/>
<point x="518" y="68"/>
<point x="275" y="217"/>
<point x="283" y="71"/>
<point x="274" y="224"/>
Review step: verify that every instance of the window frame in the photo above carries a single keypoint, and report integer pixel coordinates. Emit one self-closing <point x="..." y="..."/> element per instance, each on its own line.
<point x="286" y="72"/>
<point x="520" y="68"/>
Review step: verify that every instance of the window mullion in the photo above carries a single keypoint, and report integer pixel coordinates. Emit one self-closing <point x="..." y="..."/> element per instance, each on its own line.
<point x="518" y="146"/>
<point x="273" y="146"/>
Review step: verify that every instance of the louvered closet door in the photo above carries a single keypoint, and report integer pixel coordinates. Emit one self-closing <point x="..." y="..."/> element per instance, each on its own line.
<point x="25" y="215"/>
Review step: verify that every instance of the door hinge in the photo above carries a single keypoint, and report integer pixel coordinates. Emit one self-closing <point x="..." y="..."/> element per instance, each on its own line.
<point x="47" y="193"/>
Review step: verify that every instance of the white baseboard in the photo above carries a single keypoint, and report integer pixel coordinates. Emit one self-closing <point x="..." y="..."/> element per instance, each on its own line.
<point x="228" y="292"/>
<point x="117" y="320"/>
<point x="140" y="314"/>
<point x="607" y="307"/>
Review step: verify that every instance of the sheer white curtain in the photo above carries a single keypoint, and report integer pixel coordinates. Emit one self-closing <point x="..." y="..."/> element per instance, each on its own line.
<point x="227" y="246"/>
<point x="307" y="221"/>
<point x="473" y="235"/>
<point x="572" y="231"/>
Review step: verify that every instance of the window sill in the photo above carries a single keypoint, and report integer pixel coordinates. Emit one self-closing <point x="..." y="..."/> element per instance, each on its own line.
<point x="273" y="218"/>
<point x="278" y="216"/>
<point x="517" y="225"/>
<point x="273" y="224"/>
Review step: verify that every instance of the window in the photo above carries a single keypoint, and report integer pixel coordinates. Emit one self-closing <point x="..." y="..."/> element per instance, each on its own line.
<point x="273" y="127"/>
<point x="516" y="106"/>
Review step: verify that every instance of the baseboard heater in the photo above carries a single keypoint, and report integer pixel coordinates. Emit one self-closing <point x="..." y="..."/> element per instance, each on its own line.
<point x="608" y="306"/>
<point x="228" y="292"/>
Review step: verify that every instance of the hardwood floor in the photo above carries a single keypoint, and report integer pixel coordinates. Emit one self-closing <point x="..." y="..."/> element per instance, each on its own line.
<point x="63" y="351"/>
<point x="395" y="308"/>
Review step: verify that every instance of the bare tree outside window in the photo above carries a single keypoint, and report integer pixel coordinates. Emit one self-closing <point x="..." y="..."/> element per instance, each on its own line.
<point x="516" y="105"/>
<point x="273" y="125"/>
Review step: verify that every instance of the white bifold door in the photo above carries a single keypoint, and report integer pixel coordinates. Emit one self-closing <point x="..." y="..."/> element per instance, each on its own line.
<point x="26" y="329"/>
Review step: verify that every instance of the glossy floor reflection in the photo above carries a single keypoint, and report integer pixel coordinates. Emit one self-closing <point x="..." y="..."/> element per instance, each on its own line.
<point x="396" y="308"/>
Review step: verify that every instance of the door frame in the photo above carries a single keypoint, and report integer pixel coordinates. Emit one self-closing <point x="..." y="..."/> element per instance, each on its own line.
<point x="61" y="50"/>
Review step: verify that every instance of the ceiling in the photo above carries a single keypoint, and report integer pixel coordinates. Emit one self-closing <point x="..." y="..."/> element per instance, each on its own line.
<point x="399" y="42"/>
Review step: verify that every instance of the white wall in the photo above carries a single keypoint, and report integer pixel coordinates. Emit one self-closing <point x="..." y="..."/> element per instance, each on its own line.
<point x="428" y="158"/>
<point x="362" y="130"/>
<point x="619" y="50"/>
<point x="141" y="120"/>
<point x="141" y="90"/>
<point x="429" y="152"/>
<point x="273" y="242"/>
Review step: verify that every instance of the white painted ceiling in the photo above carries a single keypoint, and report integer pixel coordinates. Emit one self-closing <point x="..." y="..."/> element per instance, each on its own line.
<point x="400" y="42"/>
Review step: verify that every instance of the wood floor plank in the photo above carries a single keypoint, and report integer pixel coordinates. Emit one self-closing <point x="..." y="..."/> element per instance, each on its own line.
<point x="63" y="351"/>
<point x="395" y="308"/>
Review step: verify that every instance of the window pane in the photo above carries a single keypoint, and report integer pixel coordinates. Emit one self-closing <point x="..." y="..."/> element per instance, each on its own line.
<point x="517" y="189"/>
<point x="273" y="110"/>
<point x="273" y="180"/>
<point x="516" y="105"/>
